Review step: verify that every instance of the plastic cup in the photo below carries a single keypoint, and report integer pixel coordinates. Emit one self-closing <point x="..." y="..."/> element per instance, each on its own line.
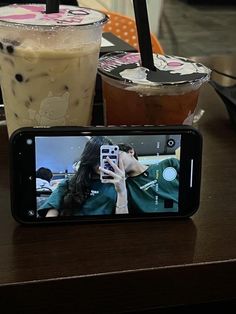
<point x="134" y="95"/>
<point x="48" y="64"/>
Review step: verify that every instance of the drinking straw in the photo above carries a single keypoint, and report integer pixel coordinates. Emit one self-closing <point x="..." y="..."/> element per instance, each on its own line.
<point x="52" y="6"/>
<point x="144" y="36"/>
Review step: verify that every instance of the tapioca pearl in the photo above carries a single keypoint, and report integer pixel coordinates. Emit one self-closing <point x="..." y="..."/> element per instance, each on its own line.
<point x="31" y="99"/>
<point x="19" y="77"/>
<point x="66" y="88"/>
<point x="10" y="49"/>
<point x="9" y="45"/>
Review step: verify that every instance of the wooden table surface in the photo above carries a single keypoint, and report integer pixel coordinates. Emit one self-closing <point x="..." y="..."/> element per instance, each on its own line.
<point x="122" y="267"/>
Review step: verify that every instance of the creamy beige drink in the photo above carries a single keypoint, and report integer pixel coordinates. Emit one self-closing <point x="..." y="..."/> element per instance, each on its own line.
<point x="48" y="64"/>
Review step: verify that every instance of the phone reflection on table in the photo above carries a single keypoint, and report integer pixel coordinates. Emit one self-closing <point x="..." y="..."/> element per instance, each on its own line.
<point x="140" y="175"/>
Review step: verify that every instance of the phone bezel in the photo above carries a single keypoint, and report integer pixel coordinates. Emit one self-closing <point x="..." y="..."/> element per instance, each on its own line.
<point x="22" y="170"/>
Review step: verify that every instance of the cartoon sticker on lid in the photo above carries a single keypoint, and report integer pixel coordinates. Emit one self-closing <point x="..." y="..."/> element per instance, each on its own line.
<point x="127" y="67"/>
<point x="33" y="14"/>
<point x="178" y="65"/>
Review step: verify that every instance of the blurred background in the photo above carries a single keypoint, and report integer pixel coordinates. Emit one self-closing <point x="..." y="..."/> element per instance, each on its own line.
<point x="185" y="27"/>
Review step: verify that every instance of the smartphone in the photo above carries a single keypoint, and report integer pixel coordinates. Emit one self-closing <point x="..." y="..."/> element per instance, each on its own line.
<point x="161" y="173"/>
<point x="111" y="151"/>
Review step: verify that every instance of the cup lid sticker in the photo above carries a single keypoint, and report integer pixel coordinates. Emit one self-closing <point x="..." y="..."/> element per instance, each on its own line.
<point x="126" y="67"/>
<point x="34" y="14"/>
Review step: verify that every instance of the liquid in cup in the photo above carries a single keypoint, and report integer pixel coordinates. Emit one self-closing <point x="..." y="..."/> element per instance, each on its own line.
<point x="133" y="95"/>
<point x="48" y="64"/>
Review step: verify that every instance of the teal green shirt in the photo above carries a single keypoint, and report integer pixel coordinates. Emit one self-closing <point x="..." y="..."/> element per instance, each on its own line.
<point x="150" y="192"/>
<point x="102" y="199"/>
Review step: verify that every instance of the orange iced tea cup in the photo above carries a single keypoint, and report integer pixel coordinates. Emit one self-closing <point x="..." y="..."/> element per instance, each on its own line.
<point x="133" y="95"/>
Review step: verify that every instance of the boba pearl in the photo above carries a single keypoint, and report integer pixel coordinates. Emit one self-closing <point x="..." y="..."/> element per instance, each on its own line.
<point x="19" y="77"/>
<point x="10" y="49"/>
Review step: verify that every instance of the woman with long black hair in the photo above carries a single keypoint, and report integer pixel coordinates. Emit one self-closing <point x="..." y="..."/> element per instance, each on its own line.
<point x="84" y="193"/>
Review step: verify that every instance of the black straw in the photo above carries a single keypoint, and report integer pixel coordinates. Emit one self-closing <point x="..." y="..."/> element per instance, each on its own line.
<point x="52" y="6"/>
<point x="144" y="36"/>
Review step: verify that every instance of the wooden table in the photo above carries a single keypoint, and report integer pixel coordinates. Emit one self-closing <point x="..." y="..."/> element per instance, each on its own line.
<point x="122" y="267"/>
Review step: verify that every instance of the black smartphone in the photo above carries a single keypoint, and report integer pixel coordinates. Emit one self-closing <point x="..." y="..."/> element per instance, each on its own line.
<point x="56" y="177"/>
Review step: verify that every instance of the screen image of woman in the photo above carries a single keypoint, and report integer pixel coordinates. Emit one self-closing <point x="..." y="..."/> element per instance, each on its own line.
<point x="84" y="193"/>
<point x="136" y="185"/>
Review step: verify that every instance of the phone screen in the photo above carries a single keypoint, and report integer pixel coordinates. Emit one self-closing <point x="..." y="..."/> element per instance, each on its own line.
<point x="90" y="175"/>
<point x="65" y="166"/>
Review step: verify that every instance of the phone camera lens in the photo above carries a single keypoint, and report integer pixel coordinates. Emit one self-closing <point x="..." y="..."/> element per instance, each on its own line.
<point x="112" y="152"/>
<point x="29" y="141"/>
<point x="115" y="148"/>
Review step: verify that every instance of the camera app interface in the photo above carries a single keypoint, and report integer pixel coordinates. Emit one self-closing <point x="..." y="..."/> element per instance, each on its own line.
<point x="107" y="175"/>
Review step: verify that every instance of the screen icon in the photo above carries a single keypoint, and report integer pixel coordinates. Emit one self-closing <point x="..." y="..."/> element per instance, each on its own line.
<point x="169" y="174"/>
<point x="171" y="143"/>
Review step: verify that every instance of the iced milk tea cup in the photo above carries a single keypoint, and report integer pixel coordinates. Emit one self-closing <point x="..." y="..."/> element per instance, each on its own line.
<point x="48" y="64"/>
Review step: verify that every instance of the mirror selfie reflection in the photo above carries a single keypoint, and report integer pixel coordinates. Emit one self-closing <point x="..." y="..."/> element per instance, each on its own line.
<point x="100" y="175"/>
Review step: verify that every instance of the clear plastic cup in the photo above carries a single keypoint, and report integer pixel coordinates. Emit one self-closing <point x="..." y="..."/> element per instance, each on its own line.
<point x="48" y="64"/>
<point x="133" y="95"/>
